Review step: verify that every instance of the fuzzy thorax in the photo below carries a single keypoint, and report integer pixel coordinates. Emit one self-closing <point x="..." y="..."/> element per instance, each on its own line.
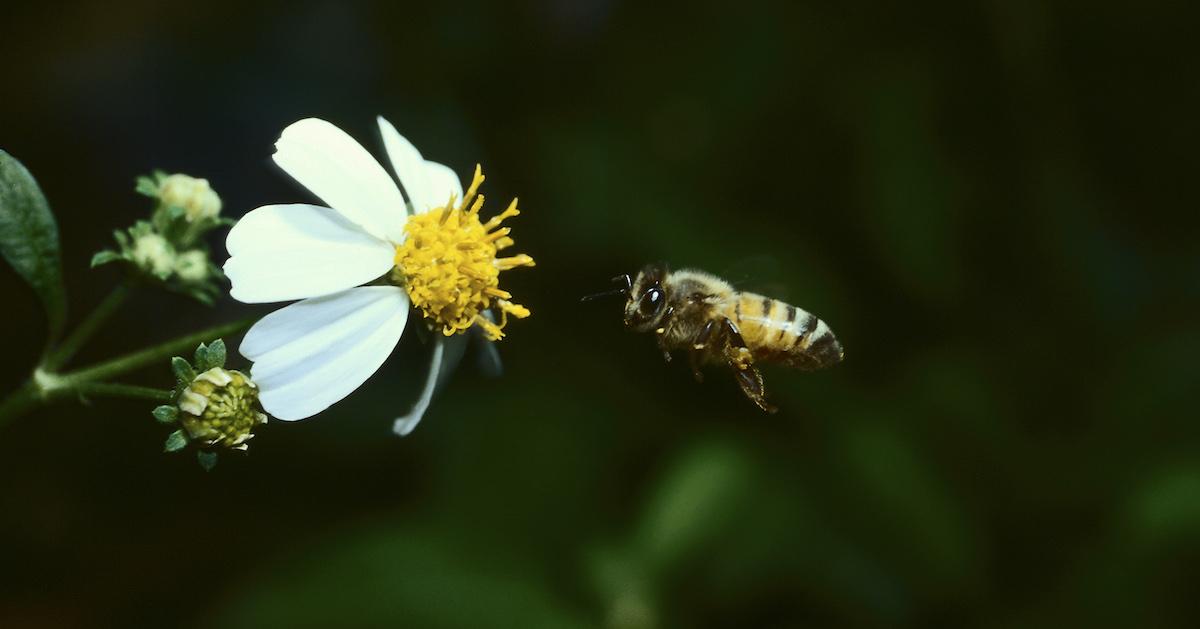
<point x="449" y="267"/>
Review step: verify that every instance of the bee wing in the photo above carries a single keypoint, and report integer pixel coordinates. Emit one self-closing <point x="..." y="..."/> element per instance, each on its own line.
<point x="764" y="274"/>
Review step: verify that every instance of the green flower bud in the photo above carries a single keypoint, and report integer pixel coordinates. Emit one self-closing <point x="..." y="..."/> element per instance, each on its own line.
<point x="192" y="266"/>
<point x="219" y="409"/>
<point x="153" y="254"/>
<point x="193" y="195"/>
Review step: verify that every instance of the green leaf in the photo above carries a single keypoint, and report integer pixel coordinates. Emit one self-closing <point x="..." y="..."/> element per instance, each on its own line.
<point x="208" y="460"/>
<point x="29" y="238"/>
<point x="175" y="442"/>
<point x="216" y="353"/>
<point x="147" y="186"/>
<point x="201" y="360"/>
<point x="104" y="257"/>
<point x="166" y="414"/>
<point x="184" y="373"/>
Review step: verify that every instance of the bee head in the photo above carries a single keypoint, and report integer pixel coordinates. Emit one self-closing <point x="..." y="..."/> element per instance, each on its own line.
<point x="646" y="300"/>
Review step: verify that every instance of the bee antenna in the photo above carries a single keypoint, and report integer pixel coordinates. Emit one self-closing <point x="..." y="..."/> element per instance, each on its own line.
<point x="625" y="285"/>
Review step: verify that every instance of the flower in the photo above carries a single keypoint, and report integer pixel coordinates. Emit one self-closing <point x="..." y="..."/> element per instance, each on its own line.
<point x="193" y="195"/>
<point x="192" y="266"/>
<point x="217" y="408"/>
<point x="153" y="254"/>
<point x="442" y="259"/>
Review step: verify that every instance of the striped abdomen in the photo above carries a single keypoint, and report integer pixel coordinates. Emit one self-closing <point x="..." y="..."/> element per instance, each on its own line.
<point x="779" y="332"/>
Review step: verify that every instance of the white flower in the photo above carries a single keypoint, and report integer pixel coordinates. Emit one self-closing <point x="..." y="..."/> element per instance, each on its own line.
<point x="192" y="266"/>
<point x="153" y="254"/>
<point x="194" y="195"/>
<point x="313" y="353"/>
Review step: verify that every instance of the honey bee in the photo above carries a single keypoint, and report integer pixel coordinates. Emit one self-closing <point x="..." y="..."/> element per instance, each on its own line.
<point x="717" y="324"/>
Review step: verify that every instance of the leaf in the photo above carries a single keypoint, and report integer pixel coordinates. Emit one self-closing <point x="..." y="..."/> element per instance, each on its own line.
<point x="147" y="186"/>
<point x="166" y="414"/>
<point x="216" y="353"/>
<point x="207" y="460"/>
<point x="104" y="257"/>
<point x="184" y="373"/>
<point x="29" y="238"/>
<point x="175" y="442"/>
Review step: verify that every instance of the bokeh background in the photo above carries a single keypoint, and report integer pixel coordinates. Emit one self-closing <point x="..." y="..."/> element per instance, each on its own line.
<point x="991" y="202"/>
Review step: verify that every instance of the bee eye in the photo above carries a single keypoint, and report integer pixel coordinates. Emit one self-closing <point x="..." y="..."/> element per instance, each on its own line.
<point x="652" y="301"/>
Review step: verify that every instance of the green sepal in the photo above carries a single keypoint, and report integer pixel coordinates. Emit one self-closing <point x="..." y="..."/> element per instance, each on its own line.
<point x="175" y="441"/>
<point x="201" y="358"/>
<point x="184" y="374"/>
<point x="29" y="238"/>
<point x="104" y="257"/>
<point x="166" y="414"/>
<point x="216" y="354"/>
<point x="207" y="460"/>
<point x="149" y="184"/>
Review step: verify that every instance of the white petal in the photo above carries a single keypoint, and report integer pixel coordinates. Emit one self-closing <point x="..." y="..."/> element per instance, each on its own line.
<point x="285" y="252"/>
<point x="409" y="166"/>
<point x="317" y="351"/>
<point x="327" y="161"/>
<point x="404" y="425"/>
<point x="442" y="183"/>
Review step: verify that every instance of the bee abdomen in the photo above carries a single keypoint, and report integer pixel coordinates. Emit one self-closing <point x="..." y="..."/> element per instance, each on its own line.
<point x="780" y="332"/>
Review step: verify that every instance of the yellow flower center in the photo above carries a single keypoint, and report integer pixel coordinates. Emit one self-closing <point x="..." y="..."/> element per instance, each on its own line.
<point x="449" y="267"/>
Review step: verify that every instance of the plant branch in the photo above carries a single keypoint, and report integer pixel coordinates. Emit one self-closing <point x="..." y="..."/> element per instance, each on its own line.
<point x="47" y="386"/>
<point x="113" y="389"/>
<point x="129" y="362"/>
<point x="98" y="317"/>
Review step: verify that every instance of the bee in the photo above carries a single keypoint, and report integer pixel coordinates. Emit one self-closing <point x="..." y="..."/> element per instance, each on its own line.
<point x="716" y="324"/>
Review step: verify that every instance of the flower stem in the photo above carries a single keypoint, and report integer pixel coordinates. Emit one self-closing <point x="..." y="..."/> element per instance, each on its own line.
<point x="88" y="327"/>
<point x="131" y="391"/>
<point x="19" y="402"/>
<point x="47" y="386"/>
<point x="141" y="358"/>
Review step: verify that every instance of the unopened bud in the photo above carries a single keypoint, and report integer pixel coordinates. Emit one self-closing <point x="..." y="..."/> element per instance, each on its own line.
<point x="153" y="254"/>
<point x="193" y="195"/>
<point x="219" y="409"/>
<point x="192" y="266"/>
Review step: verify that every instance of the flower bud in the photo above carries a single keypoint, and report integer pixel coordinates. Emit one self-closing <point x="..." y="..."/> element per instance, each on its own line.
<point x="193" y="195"/>
<point x="153" y="254"/>
<point x="192" y="266"/>
<point x="218" y="409"/>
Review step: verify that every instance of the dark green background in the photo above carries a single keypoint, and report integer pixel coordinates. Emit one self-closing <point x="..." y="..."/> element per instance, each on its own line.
<point x="992" y="203"/>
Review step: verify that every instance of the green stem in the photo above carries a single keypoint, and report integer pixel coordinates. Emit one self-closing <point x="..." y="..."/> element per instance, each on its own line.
<point x="19" y="402"/>
<point x="46" y="386"/>
<point x="97" y="318"/>
<point x="132" y="391"/>
<point x="129" y="362"/>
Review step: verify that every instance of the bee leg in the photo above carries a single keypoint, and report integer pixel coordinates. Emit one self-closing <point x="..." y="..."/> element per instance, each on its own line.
<point x="752" y="385"/>
<point x="660" y="334"/>
<point x="699" y="345"/>
<point x="741" y="361"/>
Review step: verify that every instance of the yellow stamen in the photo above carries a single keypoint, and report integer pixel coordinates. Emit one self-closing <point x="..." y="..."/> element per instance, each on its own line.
<point x="449" y="268"/>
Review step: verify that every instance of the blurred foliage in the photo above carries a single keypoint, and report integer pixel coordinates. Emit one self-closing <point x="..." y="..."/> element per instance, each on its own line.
<point x="987" y="201"/>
